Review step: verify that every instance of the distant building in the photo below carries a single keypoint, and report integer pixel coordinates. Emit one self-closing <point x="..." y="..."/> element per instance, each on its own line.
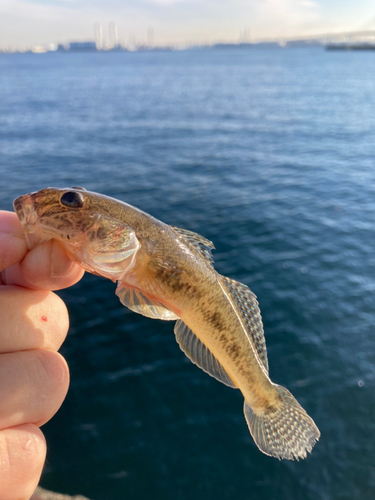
<point x="146" y="48"/>
<point x="350" y="46"/>
<point x="38" y="49"/>
<point x="150" y="36"/>
<point x="98" y="32"/>
<point x="62" y="47"/>
<point x="246" y="46"/>
<point x="113" y="37"/>
<point x="82" y="47"/>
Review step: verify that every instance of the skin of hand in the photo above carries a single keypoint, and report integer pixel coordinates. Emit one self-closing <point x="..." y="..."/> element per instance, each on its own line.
<point x="34" y="377"/>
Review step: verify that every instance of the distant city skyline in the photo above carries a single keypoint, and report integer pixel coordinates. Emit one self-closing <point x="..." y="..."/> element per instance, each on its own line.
<point x="24" y="23"/>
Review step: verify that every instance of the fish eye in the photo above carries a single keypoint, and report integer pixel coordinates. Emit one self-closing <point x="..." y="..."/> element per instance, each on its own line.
<point x="72" y="199"/>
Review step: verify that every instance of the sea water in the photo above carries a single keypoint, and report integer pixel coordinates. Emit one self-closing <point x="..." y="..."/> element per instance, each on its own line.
<point x="269" y="154"/>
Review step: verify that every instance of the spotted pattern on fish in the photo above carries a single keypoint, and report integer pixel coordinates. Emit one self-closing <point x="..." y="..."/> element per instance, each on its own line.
<point x="170" y="275"/>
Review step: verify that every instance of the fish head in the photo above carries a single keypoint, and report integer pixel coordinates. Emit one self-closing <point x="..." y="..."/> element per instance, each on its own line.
<point x="52" y="213"/>
<point x="79" y="220"/>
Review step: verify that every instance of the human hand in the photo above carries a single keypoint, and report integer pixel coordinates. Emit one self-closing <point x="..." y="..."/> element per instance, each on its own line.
<point x="34" y="378"/>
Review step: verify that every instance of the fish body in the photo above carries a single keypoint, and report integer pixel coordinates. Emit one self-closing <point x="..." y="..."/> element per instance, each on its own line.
<point x="167" y="273"/>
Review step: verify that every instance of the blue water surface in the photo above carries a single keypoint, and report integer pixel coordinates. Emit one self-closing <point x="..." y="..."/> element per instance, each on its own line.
<point x="269" y="154"/>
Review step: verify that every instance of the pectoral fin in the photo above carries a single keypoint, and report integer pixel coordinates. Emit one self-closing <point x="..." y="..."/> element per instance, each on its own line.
<point x="138" y="302"/>
<point x="199" y="354"/>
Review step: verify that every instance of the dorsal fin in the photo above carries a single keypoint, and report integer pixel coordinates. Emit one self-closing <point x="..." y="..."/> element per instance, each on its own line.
<point x="199" y="354"/>
<point x="196" y="242"/>
<point x="248" y="308"/>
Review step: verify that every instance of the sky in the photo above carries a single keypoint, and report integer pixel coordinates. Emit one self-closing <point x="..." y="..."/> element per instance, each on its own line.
<point x="24" y="23"/>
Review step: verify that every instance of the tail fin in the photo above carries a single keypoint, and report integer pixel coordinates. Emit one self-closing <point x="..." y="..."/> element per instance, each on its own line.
<point x="286" y="432"/>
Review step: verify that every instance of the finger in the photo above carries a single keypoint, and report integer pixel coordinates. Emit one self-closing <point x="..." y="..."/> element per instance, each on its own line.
<point x="22" y="455"/>
<point x="12" y="240"/>
<point x="33" y="385"/>
<point x="31" y="319"/>
<point x="46" y="266"/>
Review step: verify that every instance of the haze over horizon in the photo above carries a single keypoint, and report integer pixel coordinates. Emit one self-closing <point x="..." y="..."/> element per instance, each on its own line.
<point x="32" y="22"/>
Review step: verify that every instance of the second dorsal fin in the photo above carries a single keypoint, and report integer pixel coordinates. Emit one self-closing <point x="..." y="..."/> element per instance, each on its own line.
<point x="199" y="354"/>
<point x="196" y="242"/>
<point x="247" y="305"/>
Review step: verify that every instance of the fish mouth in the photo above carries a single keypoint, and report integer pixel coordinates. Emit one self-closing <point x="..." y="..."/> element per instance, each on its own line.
<point x="24" y="208"/>
<point x="26" y="212"/>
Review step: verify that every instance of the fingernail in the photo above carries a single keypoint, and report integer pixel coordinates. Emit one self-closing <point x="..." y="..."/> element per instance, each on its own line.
<point x="60" y="262"/>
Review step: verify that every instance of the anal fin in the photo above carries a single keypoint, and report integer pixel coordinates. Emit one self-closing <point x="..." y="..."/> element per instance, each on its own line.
<point x="199" y="354"/>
